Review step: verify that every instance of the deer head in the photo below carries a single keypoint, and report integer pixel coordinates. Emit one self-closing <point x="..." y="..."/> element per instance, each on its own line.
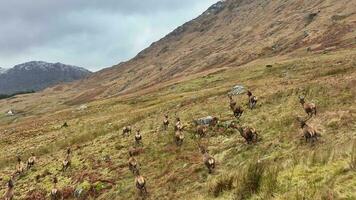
<point x="302" y="99"/>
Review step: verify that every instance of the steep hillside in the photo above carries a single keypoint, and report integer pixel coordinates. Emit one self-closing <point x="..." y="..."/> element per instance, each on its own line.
<point x="229" y="34"/>
<point x="253" y="43"/>
<point x="37" y="75"/>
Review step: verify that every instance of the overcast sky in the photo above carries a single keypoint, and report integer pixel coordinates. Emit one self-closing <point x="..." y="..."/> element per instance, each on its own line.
<point x="89" y="33"/>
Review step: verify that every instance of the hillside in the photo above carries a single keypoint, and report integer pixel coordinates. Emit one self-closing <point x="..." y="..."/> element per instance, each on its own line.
<point x="229" y="34"/>
<point x="189" y="73"/>
<point x="37" y="75"/>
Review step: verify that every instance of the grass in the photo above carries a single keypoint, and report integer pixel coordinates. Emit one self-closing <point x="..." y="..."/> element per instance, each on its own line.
<point x="280" y="166"/>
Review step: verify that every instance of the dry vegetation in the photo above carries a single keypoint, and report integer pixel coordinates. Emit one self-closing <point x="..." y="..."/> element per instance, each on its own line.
<point x="189" y="73"/>
<point x="280" y="166"/>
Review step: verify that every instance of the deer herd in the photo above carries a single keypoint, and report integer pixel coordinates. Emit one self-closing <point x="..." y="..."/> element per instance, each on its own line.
<point x="202" y="127"/>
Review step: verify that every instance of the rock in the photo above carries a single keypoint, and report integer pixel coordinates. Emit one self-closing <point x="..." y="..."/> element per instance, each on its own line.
<point x="10" y="113"/>
<point x="238" y="89"/>
<point x="269" y="66"/>
<point x="82" y="107"/>
<point x="209" y="120"/>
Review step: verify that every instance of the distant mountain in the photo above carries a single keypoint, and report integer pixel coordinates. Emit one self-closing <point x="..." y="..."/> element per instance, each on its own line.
<point x="2" y="70"/>
<point x="37" y="75"/>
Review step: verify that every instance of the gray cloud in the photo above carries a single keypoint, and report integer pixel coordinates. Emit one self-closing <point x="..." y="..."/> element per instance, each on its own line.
<point x="88" y="33"/>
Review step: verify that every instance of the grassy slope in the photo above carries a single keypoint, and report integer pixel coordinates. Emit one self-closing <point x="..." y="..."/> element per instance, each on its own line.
<point x="288" y="167"/>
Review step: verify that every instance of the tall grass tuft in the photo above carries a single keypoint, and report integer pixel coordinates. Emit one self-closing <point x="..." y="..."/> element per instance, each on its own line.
<point x="250" y="182"/>
<point x="221" y="184"/>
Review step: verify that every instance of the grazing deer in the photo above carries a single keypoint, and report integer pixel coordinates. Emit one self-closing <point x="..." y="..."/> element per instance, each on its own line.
<point x="179" y="125"/>
<point x="208" y="160"/>
<point x="138" y="137"/>
<point x="31" y="161"/>
<point x="67" y="160"/>
<point x="140" y="183"/>
<point x="126" y="130"/>
<point x="309" y="133"/>
<point x="202" y="130"/>
<point x="165" y="122"/>
<point x="133" y="165"/>
<point x="179" y="137"/>
<point x="9" y="194"/>
<point x="55" y="193"/>
<point x="309" y="108"/>
<point x="249" y="134"/>
<point x="252" y="100"/>
<point x="19" y="166"/>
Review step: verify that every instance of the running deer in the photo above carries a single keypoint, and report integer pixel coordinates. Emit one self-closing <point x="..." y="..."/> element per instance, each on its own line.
<point x="133" y="165"/>
<point x="252" y="100"/>
<point x="232" y="103"/>
<point x="19" y="166"/>
<point x="248" y="133"/>
<point x="9" y="194"/>
<point x="208" y="160"/>
<point x="67" y="160"/>
<point x="238" y="111"/>
<point x="31" y="161"/>
<point x="309" y="108"/>
<point x="165" y="122"/>
<point x="138" y="137"/>
<point x="126" y="130"/>
<point x="202" y="130"/>
<point x="179" y="137"/>
<point x="309" y="133"/>
<point x="55" y="193"/>
<point x="140" y="183"/>
<point x="178" y="125"/>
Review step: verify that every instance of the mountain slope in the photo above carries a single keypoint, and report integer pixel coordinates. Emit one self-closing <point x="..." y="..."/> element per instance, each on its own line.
<point x="232" y="33"/>
<point x="37" y="75"/>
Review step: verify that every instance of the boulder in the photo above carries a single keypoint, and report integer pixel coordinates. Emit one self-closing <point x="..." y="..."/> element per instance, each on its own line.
<point x="237" y="90"/>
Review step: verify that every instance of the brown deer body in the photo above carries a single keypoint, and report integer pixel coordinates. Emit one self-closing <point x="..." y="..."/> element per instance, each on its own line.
<point x="126" y="130"/>
<point x="202" y="130"/>
<point x="252" y="100"/>
<point x="165" y="122"/>
<point x="232" y="102"/>
<point x="249" y="134"/>
<point x="178" y="125"/>
<point x="309" y="108"/>
<point x="133" y="165"/>
<point x="67" y="160"/>
<point x="140" y="183"/>
<point x="19" y="166"/>
<point x="55" y="193"/>
<point x="309" y="133"/>
<point x="179" y="137"/>
<point x="208" y="160"/>
<point x="138" y="137"/>
<point x="238" y="111"/>
<point x="9" y="194"/>
<point x="31" y="161"/>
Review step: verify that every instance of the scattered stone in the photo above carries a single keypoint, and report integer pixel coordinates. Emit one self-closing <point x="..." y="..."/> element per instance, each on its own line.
<point x="10" y="113"/>
<point x="237" y="90"/>
<point x="82" y="107"/>
<point x="209" y="120"/>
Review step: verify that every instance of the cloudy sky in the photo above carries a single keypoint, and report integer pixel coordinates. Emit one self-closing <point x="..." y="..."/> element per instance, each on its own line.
<point x="88" y="33"/>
